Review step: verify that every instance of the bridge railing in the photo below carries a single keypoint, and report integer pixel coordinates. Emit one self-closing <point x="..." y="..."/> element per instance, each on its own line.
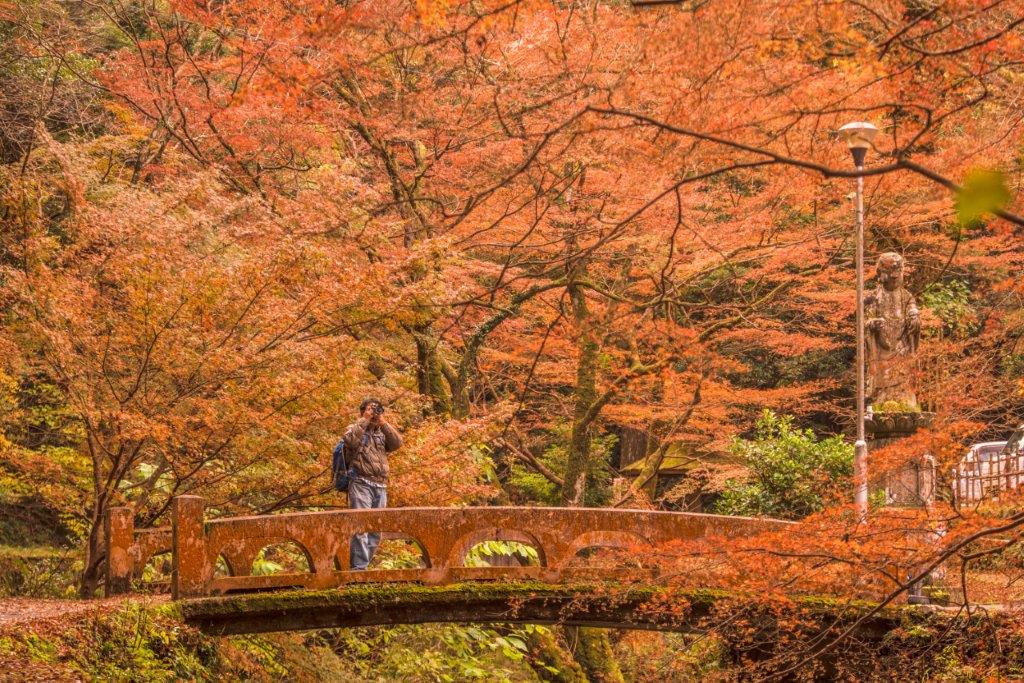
<point x="130" y="549"/>
<point x="217" y="556"/>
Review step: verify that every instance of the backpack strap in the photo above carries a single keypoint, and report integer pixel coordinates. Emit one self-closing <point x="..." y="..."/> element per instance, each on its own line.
<point x="366" y="440"/>
<point x="339" y="467"/>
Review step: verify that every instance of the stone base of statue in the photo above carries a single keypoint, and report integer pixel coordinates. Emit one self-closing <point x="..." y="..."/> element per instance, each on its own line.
<point x="914" y="484"/>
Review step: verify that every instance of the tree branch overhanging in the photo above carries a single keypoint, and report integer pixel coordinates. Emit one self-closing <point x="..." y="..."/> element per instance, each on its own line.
<point x="901" y="164"/>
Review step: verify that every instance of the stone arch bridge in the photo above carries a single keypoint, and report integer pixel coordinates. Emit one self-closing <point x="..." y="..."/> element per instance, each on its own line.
<point x="213" y="582"/>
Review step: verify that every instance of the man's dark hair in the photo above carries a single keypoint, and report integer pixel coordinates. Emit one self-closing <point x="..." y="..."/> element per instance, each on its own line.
<point x="367" y="402"/>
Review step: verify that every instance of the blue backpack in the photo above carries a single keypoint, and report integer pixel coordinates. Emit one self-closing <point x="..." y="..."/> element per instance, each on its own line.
<point x="341" y="471"/>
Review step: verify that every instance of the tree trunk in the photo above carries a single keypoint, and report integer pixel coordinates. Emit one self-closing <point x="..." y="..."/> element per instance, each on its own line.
<point x="578" y="464"/>
<point x="429" y="376"/>
<point x="95" y="553"/>
<point x="593" y="651"/>
<point x="547" y="653"/>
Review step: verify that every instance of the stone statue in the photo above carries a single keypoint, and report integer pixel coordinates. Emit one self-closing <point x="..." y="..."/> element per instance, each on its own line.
<point x="893" y="333"/>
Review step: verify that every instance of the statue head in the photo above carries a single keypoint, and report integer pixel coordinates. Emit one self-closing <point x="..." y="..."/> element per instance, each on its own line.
<point x="890" y="271"/>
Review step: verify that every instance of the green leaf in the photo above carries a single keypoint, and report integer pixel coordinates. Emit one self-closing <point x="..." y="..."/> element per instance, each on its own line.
<point x="983" y="191"/>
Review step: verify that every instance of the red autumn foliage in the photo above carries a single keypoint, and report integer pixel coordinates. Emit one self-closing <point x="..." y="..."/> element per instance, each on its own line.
<point x="526" y="224"/>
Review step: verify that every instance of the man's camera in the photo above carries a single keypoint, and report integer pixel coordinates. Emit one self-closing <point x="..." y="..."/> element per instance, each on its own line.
<point x="378" y="409"/>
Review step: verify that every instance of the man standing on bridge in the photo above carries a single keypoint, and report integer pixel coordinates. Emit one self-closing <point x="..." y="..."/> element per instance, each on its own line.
<point x="369" y="439"/>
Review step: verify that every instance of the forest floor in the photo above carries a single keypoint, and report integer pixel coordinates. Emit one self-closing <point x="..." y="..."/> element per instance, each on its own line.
<point x="136" y="638"/>
<point x="37" y="621"/>
<point x="39" y="611"/>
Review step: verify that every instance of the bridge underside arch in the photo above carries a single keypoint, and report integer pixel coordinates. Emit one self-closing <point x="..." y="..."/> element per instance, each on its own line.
<point x="381" y="605"/>
<point x="583" y="604"/>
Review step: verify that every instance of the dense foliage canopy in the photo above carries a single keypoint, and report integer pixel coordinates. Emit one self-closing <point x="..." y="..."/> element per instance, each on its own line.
<point x="529" y="225"/>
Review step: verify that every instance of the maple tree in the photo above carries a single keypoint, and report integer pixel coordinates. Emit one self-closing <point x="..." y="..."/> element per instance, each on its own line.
<point x="531" y="223"/>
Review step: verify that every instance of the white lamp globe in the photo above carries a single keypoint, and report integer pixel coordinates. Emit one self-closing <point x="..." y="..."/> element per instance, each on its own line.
<point x="859" y="134"/>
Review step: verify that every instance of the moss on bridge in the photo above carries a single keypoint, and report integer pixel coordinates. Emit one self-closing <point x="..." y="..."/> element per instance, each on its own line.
<point x="616" y="605"/>
<point x="373" y="596"/>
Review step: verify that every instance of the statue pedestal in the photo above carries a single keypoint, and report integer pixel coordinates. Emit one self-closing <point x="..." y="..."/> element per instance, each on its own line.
<point x="914" y="484"/>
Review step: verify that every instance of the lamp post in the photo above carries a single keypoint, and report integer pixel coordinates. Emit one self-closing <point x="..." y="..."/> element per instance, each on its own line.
<point x="858" y="136"/>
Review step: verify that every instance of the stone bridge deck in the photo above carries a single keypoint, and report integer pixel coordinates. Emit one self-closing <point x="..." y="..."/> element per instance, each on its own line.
<point x="212" y="557"/>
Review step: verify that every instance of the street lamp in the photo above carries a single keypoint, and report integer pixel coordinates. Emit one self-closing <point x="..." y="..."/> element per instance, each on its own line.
<point x="858" y="136"/>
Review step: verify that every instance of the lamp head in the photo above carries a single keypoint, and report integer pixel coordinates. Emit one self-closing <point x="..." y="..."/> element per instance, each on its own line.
<point x="858" y="136"/>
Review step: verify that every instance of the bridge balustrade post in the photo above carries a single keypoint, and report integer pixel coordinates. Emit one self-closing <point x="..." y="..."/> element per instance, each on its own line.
<point x="188" y="547"/>
<point x="119" y="531"/>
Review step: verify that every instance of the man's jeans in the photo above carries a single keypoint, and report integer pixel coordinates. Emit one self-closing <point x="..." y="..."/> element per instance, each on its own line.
<point x="362" y="495"/>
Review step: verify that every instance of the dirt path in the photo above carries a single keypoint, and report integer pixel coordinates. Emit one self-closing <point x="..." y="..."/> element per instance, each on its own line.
<point x="42" y="617"/>
<point x="21" y="611"/>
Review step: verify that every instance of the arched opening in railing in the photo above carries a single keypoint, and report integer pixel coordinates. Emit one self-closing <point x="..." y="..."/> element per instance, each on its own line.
<point x="395" y="551"/>
<point x="281" y="557"/>
<point x="498" y="548"/>
<point x="222" y="568"/>
<point x="607" y="550"/>
<point x="155" y="575"/>
<point x="502" y="554"/>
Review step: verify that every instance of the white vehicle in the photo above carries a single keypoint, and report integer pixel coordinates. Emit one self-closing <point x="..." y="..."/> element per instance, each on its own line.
<point x="990" y="467"/>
